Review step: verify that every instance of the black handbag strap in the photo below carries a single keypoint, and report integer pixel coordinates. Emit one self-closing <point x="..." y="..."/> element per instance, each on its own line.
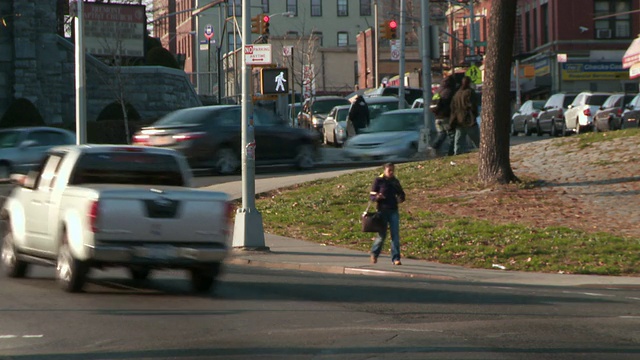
<point x="368" y="206"/>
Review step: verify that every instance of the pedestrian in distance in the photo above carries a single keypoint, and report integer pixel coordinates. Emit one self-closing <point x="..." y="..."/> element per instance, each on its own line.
<point x="358" y="116"/>
<point x="387" y="192"/>
<point x="464" y="110"/>
<point x="441" y="107"/>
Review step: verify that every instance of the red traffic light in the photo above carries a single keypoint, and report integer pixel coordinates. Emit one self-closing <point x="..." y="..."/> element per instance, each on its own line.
<point x="393" y="24"/>
<point x="265" y="18"/>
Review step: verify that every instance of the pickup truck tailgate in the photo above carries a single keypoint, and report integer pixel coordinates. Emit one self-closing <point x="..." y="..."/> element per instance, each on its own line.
<point x="162" y="216"/>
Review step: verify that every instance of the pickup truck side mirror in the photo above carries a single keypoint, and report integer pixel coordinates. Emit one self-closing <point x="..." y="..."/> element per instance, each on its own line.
<point x="31" y="180"/>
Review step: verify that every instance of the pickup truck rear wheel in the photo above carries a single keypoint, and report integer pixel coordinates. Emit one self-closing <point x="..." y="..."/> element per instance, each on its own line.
<point x="70" y="272"/>
<point x="13" y="266"/>
<point x="203" y="278"/>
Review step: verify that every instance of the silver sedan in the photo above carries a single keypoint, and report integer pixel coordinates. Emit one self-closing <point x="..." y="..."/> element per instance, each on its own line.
<point x="335" y="125"/>
<point x="394" y="135"/>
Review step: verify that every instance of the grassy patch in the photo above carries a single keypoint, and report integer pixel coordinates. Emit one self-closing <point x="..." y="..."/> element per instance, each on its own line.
<point x="327" y="211"/>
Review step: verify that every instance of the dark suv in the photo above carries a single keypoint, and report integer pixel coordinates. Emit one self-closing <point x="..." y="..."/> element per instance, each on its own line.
<point x="210" y="136"/>
<point x="551" y="118"/>
<point x="315" y="110"/>
<point x="609" y="117"/>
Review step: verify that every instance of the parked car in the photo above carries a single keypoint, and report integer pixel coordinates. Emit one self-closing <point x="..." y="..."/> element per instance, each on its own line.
<point x="609" y="116"/>
<point x="410" y="94"/>
<point x="379" y="104"/>
<point x="292" y="113"/>
<point x="525" y="119"/>
<point x="631" y="114"/>
<point x="579" y="115"/>
<point x="315" y="110"/>
<point x="394" y="135"/>
<point x="335" y="125"/>
<point x="23" y="149"/>
<point x="209" y="137"/>
<point x="551" y="118"/>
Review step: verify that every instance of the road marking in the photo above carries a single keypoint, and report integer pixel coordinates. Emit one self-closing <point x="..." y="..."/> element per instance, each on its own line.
<point x="587" y="293"/>
<point x="22" y="336"/>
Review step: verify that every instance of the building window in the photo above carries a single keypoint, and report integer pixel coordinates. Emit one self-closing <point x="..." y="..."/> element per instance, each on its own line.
<point x="317" y="35"/>
<point x="234" y="8"/>
<point x="292" y="7"/>
<point x="316" y="7"/>
<point x="343" y="8"/>
<point x="365" y="7"/>
<point x="615" y="26"/>
<point x="343" y="38"/>
<point x="292" y="35"/>
<point x="265" y="6"/>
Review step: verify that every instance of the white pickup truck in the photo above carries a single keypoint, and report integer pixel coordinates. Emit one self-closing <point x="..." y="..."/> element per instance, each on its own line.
<point x="107" y="205"/>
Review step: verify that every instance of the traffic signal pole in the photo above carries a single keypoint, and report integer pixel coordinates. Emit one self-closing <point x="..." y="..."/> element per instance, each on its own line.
<point x="248" y="232"/>
<point x="401" y="67"/>
<point x="426" y="72"/>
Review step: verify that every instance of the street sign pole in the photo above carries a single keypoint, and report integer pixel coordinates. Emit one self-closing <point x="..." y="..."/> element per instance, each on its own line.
<point x="208" y="33"/>
<point x="426" y="74"/>
<point x="248" y="233"/>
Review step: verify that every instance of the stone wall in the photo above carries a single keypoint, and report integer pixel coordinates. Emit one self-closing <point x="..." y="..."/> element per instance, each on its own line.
<point x="39" y="65"/>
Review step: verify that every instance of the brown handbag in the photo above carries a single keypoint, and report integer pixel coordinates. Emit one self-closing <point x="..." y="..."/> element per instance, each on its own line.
<point x="371" y="220"/>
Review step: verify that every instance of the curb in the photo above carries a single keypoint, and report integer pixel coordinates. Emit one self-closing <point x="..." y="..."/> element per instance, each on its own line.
<point x="334" y="269"/>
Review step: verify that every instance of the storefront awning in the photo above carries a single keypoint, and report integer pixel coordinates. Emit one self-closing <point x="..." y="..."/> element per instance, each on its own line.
<point x="632" y="55"/>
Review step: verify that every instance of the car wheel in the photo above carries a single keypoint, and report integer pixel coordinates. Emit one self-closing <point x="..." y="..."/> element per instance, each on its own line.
<point x="13" y="266"/>
<point x="227" y="161"/>
<point x="526" y="130"/>
<point x="70" y="272"/>
<point x="139" y="273"/>
<point x="203" y="278"/>
<point x="553" y="132"/>
<point x="305" y="157"/>
<point x="513" y="129"/>
<point x="5" y="170"/>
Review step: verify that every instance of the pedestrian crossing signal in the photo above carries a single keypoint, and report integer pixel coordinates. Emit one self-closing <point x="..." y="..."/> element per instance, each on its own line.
<point x="274" y="81"/>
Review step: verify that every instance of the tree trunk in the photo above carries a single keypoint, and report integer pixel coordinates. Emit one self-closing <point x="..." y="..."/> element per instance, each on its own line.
<point x="494" y="163"/>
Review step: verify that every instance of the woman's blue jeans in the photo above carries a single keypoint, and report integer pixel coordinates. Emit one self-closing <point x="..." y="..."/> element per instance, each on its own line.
<point x="391" y="220"/>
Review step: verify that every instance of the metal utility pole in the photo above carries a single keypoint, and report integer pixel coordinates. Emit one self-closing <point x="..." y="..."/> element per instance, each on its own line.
<point x="248" y="232"/>
<point x="376" y="37"/>
<point x="401" y="70"/>
<point x="426" y="72"/>
<point x="472" y="31"/>
<point x="81" y="97"/>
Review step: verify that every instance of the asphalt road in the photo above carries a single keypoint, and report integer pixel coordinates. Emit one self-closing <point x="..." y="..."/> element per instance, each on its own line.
<point x="285" y="314"/>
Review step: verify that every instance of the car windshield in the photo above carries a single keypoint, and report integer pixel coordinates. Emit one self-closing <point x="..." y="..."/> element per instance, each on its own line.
<point x="127" y="167"/>
<point x="324" y="106"/>
<point x="184" y="117"/>
<point x="395" y="122"/>
<point x="597" y="99"/>
<point x="341" y="115"/>
<point x="568" y="99"/>
<point x="9" y="139"/>
<point x="538" y="104"/>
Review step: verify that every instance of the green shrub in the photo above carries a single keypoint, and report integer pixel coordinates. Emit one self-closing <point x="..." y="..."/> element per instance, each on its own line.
<point x="21" y="113"/>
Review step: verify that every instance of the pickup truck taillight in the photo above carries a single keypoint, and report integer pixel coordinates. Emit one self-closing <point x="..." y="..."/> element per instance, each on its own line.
<point x="587" y="112"/>
<point x="94" y="211"/>
<point x="229" y="212"/>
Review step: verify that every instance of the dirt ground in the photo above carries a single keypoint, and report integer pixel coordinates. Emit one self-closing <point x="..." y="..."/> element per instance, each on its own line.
<point x="594" y="189"/>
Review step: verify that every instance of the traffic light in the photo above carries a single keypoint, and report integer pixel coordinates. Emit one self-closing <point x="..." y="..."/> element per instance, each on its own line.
<point x="388" y="29"/>
<point x="393" y="27"/>
<point x="256" y="24"/>
<point x="265" y="24"/>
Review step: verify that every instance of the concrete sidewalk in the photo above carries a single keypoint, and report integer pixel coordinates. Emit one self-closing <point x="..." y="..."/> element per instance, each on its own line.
<point x="287" y="253"/>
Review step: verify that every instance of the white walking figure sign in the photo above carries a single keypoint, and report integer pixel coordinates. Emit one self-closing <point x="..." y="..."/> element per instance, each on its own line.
<point x="280" y="80"/>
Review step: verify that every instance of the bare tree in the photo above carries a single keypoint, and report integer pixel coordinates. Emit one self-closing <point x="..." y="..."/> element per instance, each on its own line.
<point x="494" y="163"/>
